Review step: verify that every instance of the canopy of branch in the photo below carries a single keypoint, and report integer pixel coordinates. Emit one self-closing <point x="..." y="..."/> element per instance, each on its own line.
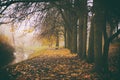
<point x="5" y="3"/>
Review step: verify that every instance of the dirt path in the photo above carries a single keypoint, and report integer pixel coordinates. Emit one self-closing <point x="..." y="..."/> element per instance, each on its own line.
<point x="53" y="65"/>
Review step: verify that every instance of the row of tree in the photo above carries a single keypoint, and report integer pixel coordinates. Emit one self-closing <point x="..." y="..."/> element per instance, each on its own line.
<point x="75" y="18"/>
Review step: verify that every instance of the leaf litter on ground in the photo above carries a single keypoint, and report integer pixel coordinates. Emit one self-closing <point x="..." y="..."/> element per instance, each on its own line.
<point x="53" y="65"/>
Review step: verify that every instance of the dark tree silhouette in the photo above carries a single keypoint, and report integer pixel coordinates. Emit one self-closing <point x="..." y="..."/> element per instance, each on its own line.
<point x="6" y="57"/>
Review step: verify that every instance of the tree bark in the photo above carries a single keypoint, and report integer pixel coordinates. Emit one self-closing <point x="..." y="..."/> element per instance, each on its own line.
<point x="91" y="43"/>
<point x="98" y="29"/>
<point x="84" y="35"/>
<point x="74" y="33"/>
<point x="80" y="51"/>
<point x="57" y="40"/>
<point x="105" y="48"/>
<point x="82" y="15"/>
<point x="74" y="41"/>
<point x="69" y="40"/>
<point x="65" y="38"/>
<point x="98" y="48"/>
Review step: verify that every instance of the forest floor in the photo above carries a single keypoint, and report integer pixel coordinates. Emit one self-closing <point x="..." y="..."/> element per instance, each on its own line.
<point x="56" y="65"/>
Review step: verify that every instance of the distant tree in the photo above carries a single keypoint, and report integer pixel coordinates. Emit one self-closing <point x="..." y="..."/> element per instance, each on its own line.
<point x="68" y="12"/>
<point x="52" y="26"/>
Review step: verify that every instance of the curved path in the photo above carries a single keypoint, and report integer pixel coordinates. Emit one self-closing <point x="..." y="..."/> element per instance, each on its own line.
<point x="53" y="65"/>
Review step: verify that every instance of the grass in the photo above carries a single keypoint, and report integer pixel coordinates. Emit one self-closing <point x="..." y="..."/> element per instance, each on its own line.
<point x="50" y="52"/>
<point x="37" y="53"/>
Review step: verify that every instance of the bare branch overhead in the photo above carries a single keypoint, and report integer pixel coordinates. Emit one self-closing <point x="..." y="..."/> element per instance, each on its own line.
<point x="5" y="3"/>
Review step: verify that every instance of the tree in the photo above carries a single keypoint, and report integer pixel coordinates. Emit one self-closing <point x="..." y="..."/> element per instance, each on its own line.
<point x="112" y="18"/>
<point x="81" y="6"/>
<point x="98" y="29"/>
<point x="91" y="42"/>
<point x="85" y="14"/>
<point x="70" y="23"/>
<point x="103" y="14"/>
<point x="5" y="4"/>
<point x="52" y="26"/>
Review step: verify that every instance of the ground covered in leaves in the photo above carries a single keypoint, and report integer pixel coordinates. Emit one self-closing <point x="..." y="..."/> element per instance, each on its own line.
<point x="54" y="65"/>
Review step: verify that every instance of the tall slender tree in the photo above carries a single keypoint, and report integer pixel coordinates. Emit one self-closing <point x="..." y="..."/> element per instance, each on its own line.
<point x="91" y="42"/>
<point x="98" y="29"/>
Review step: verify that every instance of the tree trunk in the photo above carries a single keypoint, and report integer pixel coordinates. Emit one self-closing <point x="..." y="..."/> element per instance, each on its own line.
<point x="65" y="37"/>
<point x="57" y="40"/>
<point x="74" y="40"/>
<point x="98" y="47"/>
<point x="84" y="36"/>
<point x="74" y="33"/>
<point x="69" y="40"/>
<point x="105" y="49"/>
<point x="91" y="43"/>
<point x="70" y="34"/>
<point x="82" y="15"/>
<point x="105" y="55"/>
<point x="98" y="29"/>
<point x="80" y="51"/>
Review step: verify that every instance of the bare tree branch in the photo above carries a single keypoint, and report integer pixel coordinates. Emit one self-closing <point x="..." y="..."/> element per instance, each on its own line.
<point x="6" y="3"/>
<point x="114" y="36"/>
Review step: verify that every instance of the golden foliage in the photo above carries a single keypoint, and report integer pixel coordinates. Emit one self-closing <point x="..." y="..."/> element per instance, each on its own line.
<point x="48" y="41"/>
<point x="53" y="53"/>
<point x="29" y="30"/>
<point x="4" y="38"/>
<point x="12" y="29"/>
